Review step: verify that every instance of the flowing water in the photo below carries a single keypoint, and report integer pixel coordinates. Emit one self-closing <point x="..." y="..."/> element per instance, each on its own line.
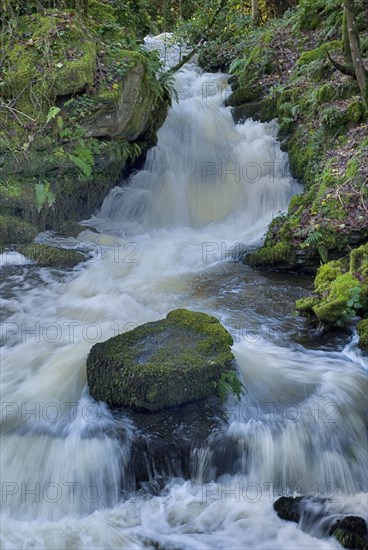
<point x="168" y="239"/>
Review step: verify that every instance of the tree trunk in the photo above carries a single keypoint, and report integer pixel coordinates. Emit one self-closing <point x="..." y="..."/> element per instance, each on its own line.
<point x="345" y="42"/>
<point x="256" y="13"/>
<point x="359" y="69"/>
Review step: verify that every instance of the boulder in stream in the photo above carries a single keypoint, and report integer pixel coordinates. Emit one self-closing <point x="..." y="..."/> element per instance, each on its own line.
<point x="161" y="364"/>
<point x="351" y="532"/>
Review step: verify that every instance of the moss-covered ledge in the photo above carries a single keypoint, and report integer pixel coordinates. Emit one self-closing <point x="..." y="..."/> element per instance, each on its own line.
<point x="73" y="127"/>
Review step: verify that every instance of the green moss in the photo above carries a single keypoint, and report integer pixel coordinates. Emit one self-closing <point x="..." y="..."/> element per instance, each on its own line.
<point x="326" y="93"/>
<point x="101" y="12"/>
<point x="359" y="260"/>
<point x="362" y="328"/>
<point x="318" y="53"/>
<point x="305" y="150"/>
<point x="335" y="120"/>
<point x="305" y="305"/>
<point x="263" y="110"/>
<point x="278" y="254"/>
<point x="331" y="312"/>
<point x="74" y="76"/>
<point x="326" y="274"/>
<point x="356" y="111"/>
<point x="340" y="294"/>
<point x="246" y="92"/>
<point x="14" y="230"/>
<point x="161" y="364"/>
<point x="50" y="256"/>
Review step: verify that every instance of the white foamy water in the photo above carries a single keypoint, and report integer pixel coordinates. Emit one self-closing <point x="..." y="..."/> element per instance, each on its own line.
<point x="208" y="186"/>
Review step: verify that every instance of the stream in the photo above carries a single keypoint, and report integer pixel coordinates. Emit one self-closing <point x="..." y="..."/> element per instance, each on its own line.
<point x="168" y="238"/>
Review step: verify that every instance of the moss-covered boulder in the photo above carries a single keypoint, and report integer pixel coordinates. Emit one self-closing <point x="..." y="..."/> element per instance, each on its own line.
<point x="50" y="256"/>
<point x="351" y="532"/>
<point x="161" y="364"/>
<point x="125" y="111"/>
<point x="341" y="290"/>
<point x="13" y="230"/>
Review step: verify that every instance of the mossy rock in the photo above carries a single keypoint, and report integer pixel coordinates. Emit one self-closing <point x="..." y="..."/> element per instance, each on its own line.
<point x="14" y="230"/>
<point x="362" y="328"/>
<point x="74" y="76"/>
<point x="161" y="364"/>
<point x="318" y="53"/>
<point x="326" y="93"/>
<point x="50" y="256"/>
<point x="279" y="255"/>
<point x="63" y="52"/>
<point x="264" y="110"/>
<point x="336" y="120"/>
<point x="289" y="508"/>
<point x="246" y="92"/>
<point x="341" y="290"/>
<point x="356" y="111"/>
<point x="351" y="532"/>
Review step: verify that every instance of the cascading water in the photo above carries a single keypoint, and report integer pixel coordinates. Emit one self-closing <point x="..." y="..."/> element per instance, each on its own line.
<point x="165" y="238"/>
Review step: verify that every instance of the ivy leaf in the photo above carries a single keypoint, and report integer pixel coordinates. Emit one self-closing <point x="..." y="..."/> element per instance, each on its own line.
<point x="53" y="111"/>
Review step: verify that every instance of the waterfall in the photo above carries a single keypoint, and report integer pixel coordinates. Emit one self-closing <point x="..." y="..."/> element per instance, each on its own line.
<point x="167" y="238"/>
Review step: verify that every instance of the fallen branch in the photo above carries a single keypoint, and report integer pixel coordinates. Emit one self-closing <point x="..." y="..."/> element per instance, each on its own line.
<point x="195" y="50"/>
<point x="344" y="69"/>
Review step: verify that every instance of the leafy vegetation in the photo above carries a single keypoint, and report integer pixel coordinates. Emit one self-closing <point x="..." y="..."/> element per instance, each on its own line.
<point x="65" y="66"/>
<point x="227" y="383"/>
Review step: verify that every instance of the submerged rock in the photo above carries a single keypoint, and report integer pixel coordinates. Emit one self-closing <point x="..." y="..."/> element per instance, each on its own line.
<point x="161" y="364"/>
<point x="349" y="531"/>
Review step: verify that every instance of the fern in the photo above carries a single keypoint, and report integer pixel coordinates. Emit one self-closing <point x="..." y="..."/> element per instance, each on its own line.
<point x="83" y="159"/>
<point x="229" y="382"/>
<point x="316" y="239"/>
<point x="312" y="239"/>
<point x="168" y="83"/>
<point x="323" y="252"/>
<point x="53" y="111"/>
<point x="44" y="195"/>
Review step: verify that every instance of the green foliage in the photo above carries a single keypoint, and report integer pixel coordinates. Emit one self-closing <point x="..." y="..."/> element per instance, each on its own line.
<point x="53" y="112"/>
<point x="340" y="294"/>
<point x="280" y="253"/>
<point x="224" y="40"/>
<point x="319" y="53"/>
<point x="354" y="304"/>
<point x="362" y="329"/>
<point x="315" y="238"/>
<point x="318" y="14"/>
<point x="44" y="195"/>
<point x="334" y="119"/>
<point x="229" y="383"/>
<point x="83" y="158"/>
